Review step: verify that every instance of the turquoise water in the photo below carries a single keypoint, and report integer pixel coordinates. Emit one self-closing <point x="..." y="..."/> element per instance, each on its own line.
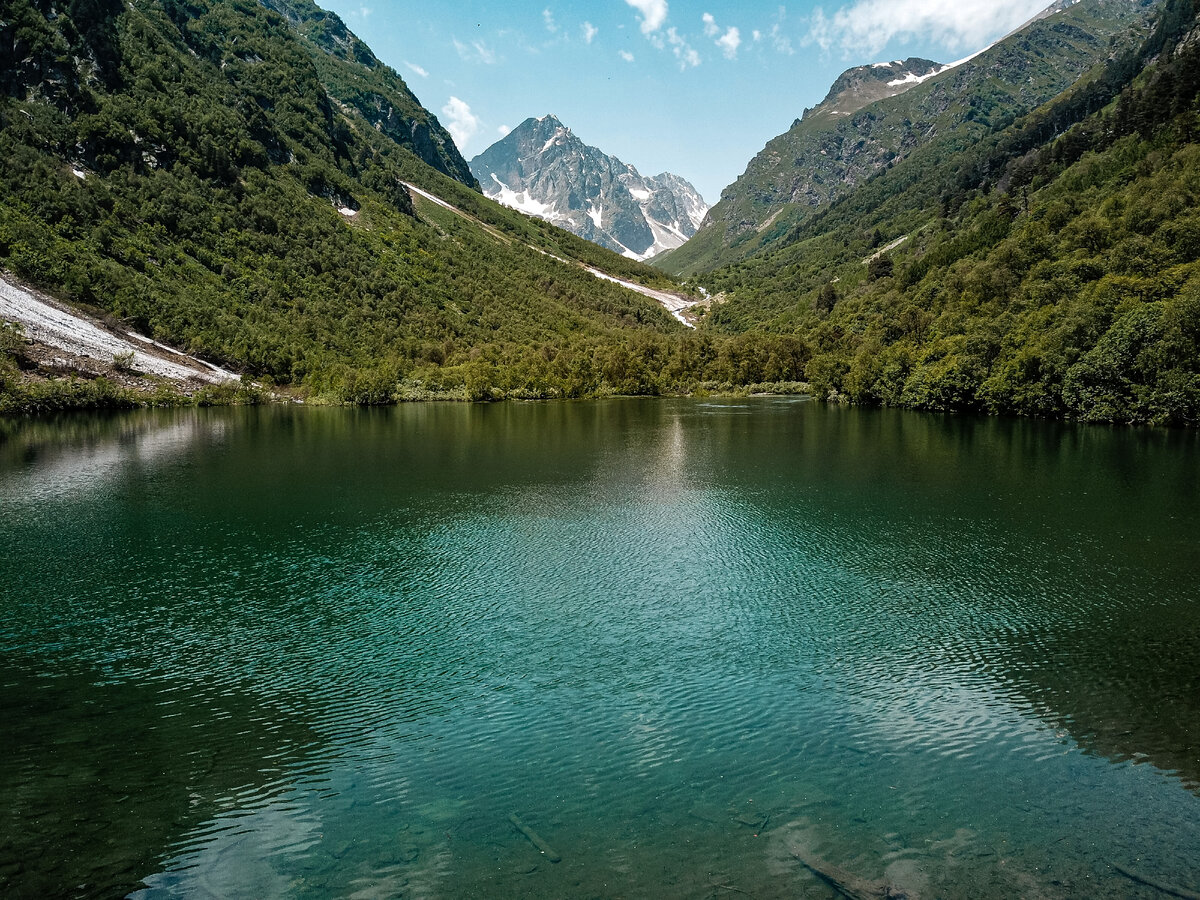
<point x="700" y="649"/>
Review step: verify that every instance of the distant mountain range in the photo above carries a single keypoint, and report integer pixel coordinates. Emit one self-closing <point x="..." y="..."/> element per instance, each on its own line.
<point x="543" y="169"/>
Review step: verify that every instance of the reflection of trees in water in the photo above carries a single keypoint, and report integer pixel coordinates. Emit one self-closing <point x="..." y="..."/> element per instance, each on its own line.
<point x="101" y="780"/>
<point x="61" y="457"/>
<point x="1062" y="557"/>
<point x="1126" y="688"/>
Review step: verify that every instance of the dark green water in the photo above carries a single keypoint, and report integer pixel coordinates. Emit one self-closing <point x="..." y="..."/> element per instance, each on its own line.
<point x="695" y="646"/>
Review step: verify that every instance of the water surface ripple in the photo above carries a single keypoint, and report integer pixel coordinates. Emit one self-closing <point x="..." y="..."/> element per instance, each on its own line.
<point x="700" y="648"/>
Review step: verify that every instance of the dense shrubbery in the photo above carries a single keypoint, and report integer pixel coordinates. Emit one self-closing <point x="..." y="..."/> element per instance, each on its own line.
<point x="181" y="167"/>
<point x="1053" y="277"/>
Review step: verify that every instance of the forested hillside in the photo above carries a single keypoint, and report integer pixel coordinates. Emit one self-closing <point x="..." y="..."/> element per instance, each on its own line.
<point x="1051" y="269"/>
<point x="229" y="178"/>
<point x="845" y="141"/>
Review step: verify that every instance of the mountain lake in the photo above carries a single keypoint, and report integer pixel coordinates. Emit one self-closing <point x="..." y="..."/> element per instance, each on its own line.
<point x="628" y="648"/>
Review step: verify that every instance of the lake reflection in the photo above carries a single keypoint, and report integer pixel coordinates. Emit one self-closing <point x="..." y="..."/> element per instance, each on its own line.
<point x="698" y="648"/>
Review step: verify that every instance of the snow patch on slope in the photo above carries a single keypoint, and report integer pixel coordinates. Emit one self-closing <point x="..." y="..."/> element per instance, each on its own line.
<point x="521" y="201"/>
<point x="914" y="78"/>
<point x="55" y="325"/>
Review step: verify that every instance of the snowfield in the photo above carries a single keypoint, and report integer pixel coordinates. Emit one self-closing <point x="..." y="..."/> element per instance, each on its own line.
<point x="50" y="323"/>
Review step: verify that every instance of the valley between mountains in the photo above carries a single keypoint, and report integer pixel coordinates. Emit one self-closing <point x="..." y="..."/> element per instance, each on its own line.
<point x="248" y="183"/>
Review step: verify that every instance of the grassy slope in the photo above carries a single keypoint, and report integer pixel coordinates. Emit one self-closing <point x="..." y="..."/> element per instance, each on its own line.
<point x="1041" y="272"/>
<point x="215" y="162"/>
<point x="820" y="159"/>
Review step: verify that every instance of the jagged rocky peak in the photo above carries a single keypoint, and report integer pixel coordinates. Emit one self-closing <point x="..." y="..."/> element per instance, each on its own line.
<point x="863" y="85"/>
<point x="542" y="168"/>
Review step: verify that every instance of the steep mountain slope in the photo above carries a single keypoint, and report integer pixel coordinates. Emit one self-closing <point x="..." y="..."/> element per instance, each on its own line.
<point x="199" y="173"/>
<point x="543" y="169"/>
<point x="826" y="155"/>
<point x="184" y="168"/>
<point x="863" y="85"/>
<point x="1050" y="269"/>
<point x="355" y="78"/>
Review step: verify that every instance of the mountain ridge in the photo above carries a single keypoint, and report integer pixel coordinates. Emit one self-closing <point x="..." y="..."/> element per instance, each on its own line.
<point x="1050" y="268"/>
<point x="542" y="168"/>
<point x="374" y="90"/>
<point x="822" y="157"/>
<point x="861" y="86"/>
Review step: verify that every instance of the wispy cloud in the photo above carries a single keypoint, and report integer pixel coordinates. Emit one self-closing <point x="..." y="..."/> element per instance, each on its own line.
<point x="654" y="13"/>
<point x="729" y="43"/>
<point x="476" y="51"/>
<point x="867" y="26"/>
<point x="779" y="40"/>
<point x="504" y="131"/>
<point x="625" y="55"/>
<point x="589" y="32"/>
<point x="688" y="57"/>
<point x="417" y="69"/>
<point x="548" y="18"/>
<point x="460" y="122"/>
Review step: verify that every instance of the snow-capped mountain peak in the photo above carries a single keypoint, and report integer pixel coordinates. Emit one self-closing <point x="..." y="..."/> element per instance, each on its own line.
<point x="542" y="168"/>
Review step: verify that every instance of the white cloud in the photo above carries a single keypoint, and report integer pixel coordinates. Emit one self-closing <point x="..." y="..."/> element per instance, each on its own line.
<point x="364" y="11"/>
<point x="756" y="34"/>
<point x="781" y="42"/>
<point x="654" y="13"/>
<point x="417" y="69"/>
<point x="504" y="131"/>
<point x="683" y="51"/>
<point x="476" y="51"/>
<point x="867" y="26"/>
<point x="460" y="122"/>
<point x="729" y="43"/>
<point x="548" y="18"/>
<point x="625" y="55"/>
<point x="710" y="25"/>
<point x="589" y="32"/>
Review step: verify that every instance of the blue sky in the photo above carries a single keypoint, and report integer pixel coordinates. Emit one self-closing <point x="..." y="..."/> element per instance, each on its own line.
<point x="694" y="88"/>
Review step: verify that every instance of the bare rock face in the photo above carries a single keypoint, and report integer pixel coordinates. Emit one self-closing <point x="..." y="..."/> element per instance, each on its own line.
<point x="863" y="85"/>
<point x="543" y="169"/>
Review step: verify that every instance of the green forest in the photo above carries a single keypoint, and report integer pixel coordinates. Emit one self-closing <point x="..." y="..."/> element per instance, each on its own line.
<point x="229" y="178"/>
<point x="1052" y="269"/>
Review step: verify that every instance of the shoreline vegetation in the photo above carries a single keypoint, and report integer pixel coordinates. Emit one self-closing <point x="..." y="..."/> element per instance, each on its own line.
<point x="56" y="357"/>
<point x="285" y="236"/>
<point x="34" y="396"/>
